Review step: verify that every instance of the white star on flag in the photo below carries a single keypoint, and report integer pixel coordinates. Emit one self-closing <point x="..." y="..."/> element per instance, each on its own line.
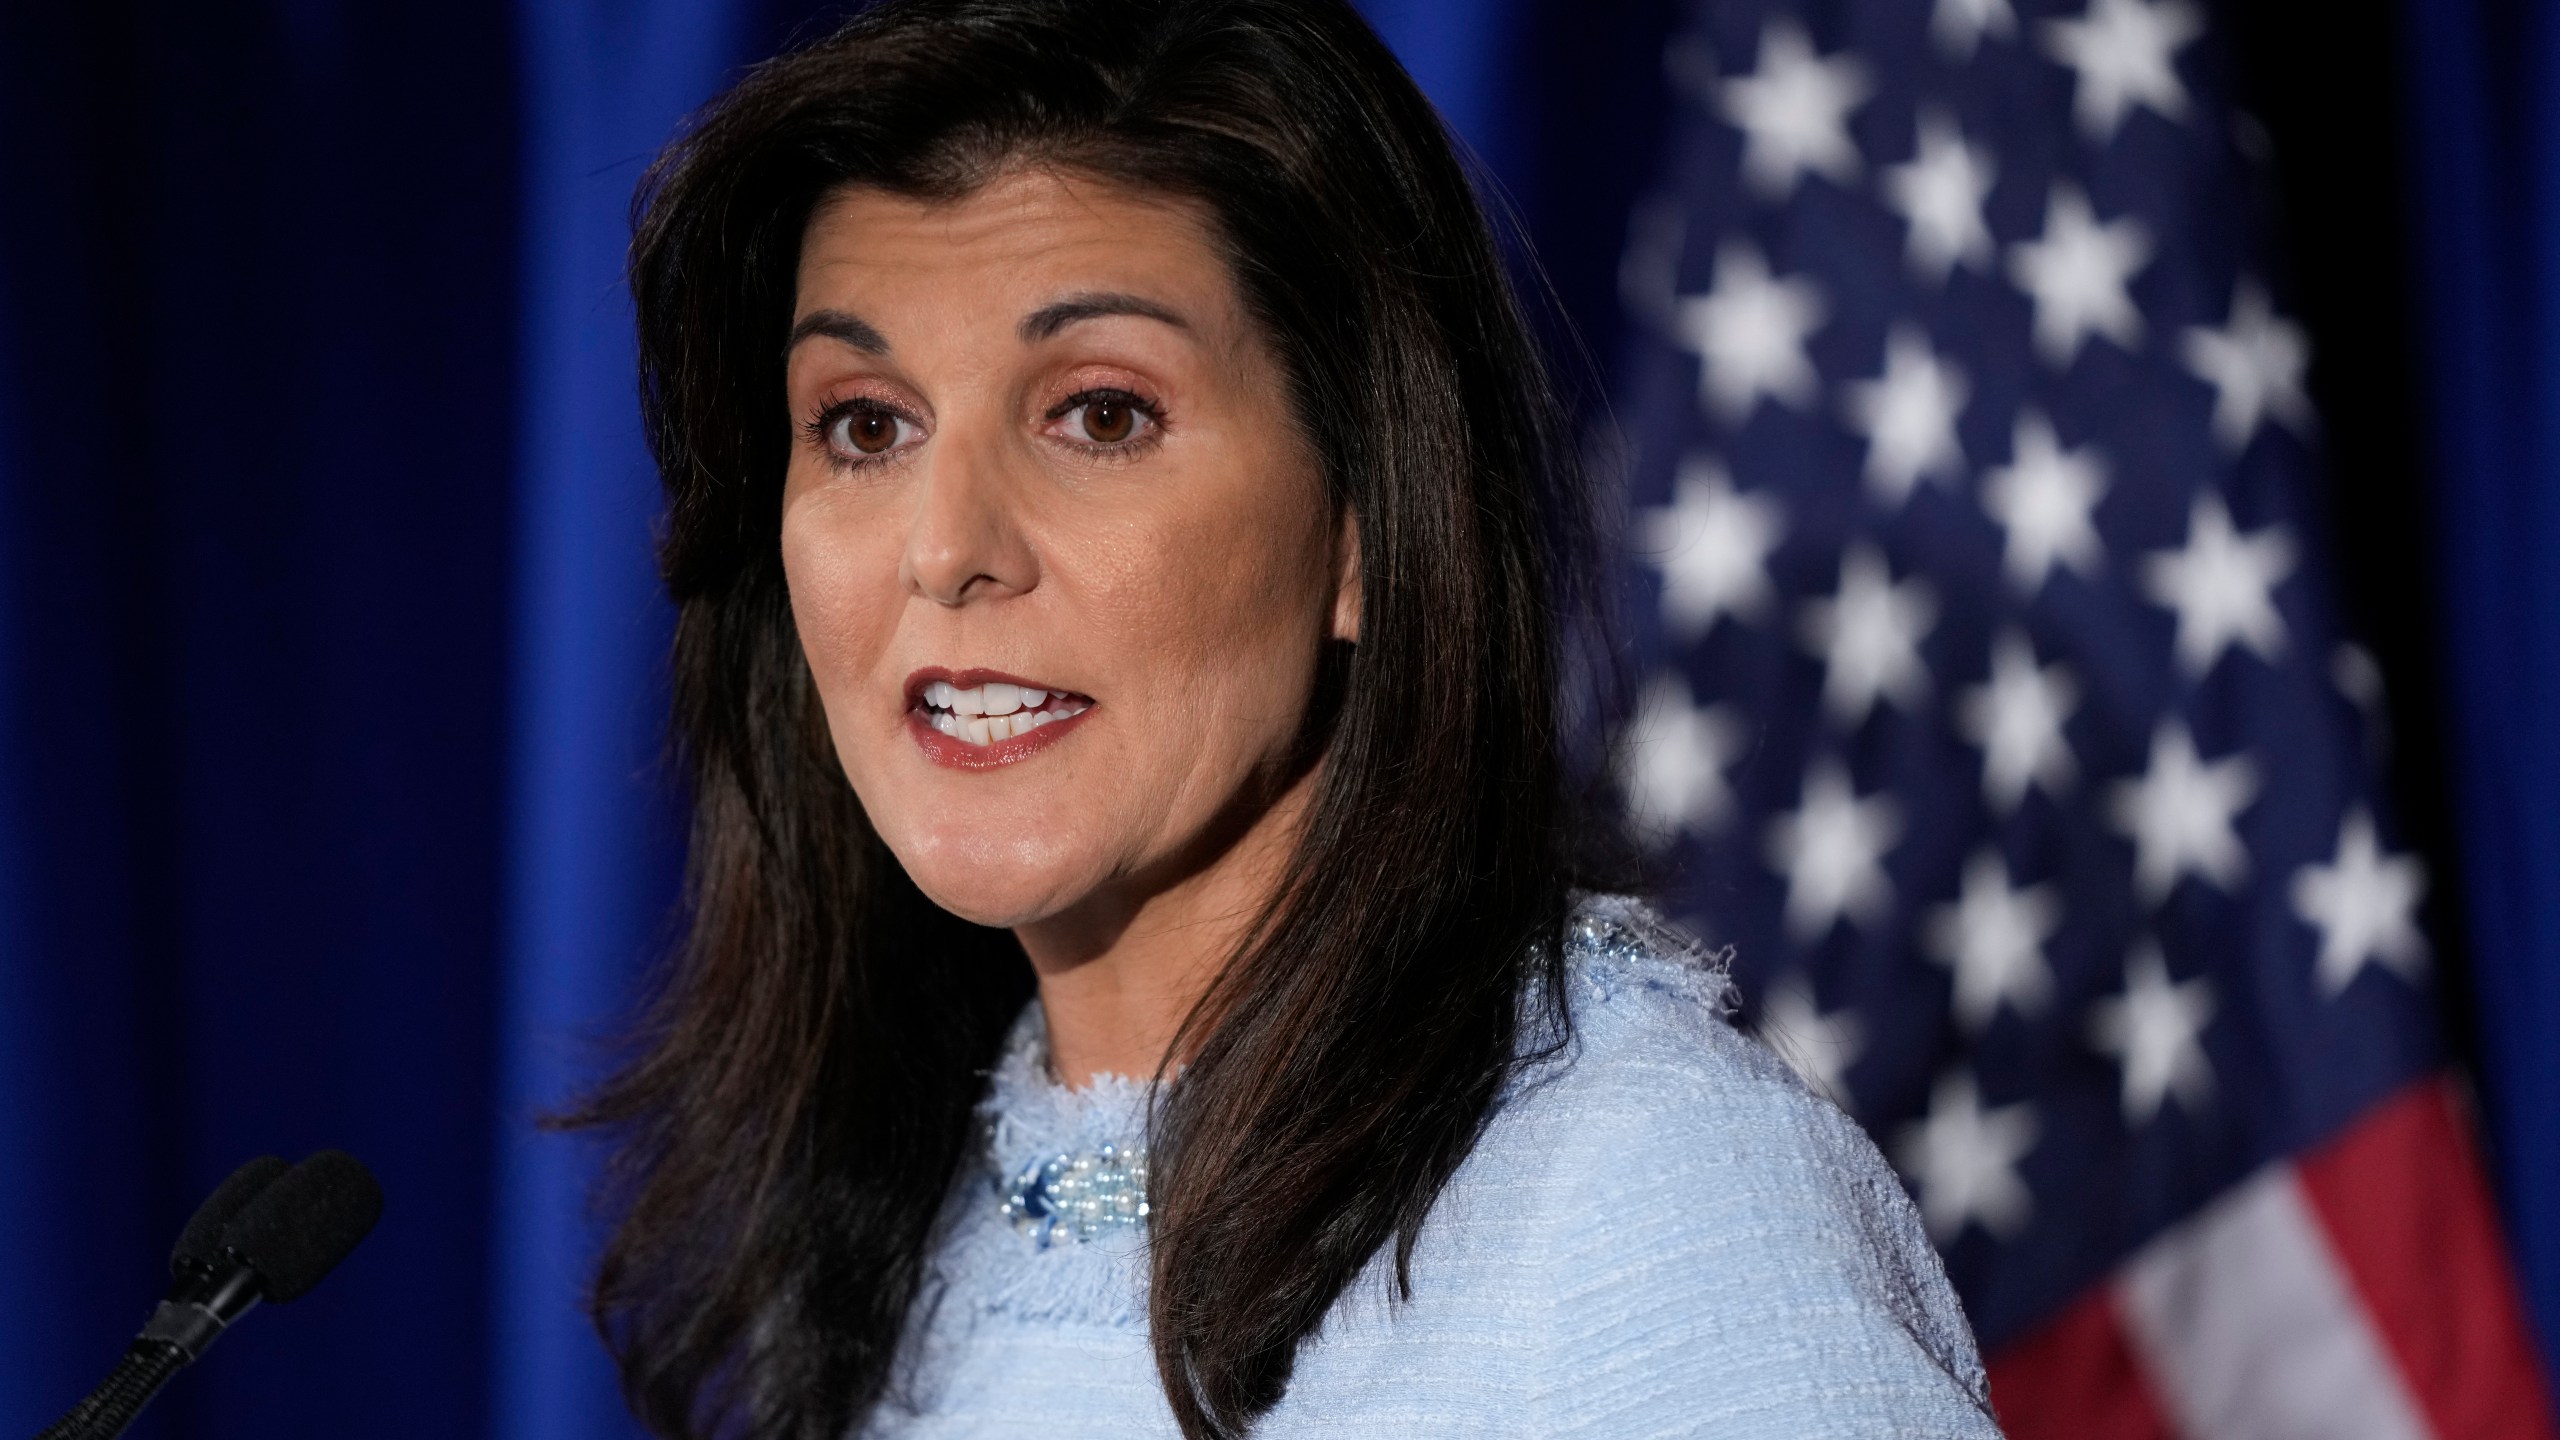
<point x="1959" y="25"/>
<point x="2076" y="273"/>
<point x="1908" y="416"/>
<point x="2181" y="815"/>
<point x="1868" y="637"/>
<point x="2155" y="1031"/>
<point x="1748" y="332"/>
<point x="1794" y="112"/>
<point x="1831" y="851"/>
<point x="1940" y="193"/>
<point x="1819" y="1045"/>
<point x="2365" y="906"/>
<point x="2042" y="500"/>
<point x="2255" y="364"/>
<point x="2017" y="720"/>
<point x="1676" y="755"/>
<point x="2124" y="53"/>
<point x="1963" y="1160"/>
<point x="2222" y="586"/>
<point x="1712" y="545"/>
<point x="1993" y="938"/>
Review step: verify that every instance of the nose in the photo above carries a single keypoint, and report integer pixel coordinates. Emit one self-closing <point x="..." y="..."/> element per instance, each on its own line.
<point x="962" y="540"/>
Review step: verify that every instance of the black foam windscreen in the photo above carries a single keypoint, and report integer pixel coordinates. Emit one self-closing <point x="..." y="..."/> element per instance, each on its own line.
<point x="294" y="1232"/>
<point x="200" y="1244"/>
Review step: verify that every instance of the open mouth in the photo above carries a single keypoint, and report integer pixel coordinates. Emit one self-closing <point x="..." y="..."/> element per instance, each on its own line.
<point x="996" y="710"/>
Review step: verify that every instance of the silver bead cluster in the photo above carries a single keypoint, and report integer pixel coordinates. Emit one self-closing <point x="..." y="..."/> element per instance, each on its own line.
<point x="1607" y="936"/>
<point x="1075" y="1197"/>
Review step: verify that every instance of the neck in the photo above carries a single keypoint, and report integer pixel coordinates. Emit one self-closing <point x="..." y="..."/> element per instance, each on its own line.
<point x="1121" y="971"/>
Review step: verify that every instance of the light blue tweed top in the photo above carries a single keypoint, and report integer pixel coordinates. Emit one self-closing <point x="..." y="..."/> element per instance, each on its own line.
<point x="1660" y="1233"/>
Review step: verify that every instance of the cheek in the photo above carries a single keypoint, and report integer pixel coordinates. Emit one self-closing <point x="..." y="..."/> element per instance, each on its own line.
<point x="843" y="579"/>
<point x="1226" y="601"/>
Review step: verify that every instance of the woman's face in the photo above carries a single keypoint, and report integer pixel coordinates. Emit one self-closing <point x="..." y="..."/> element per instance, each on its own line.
<point x="1061" y="559"/>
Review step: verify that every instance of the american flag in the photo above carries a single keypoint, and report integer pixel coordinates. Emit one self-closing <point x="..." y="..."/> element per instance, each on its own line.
<point x="1997" y="711"/>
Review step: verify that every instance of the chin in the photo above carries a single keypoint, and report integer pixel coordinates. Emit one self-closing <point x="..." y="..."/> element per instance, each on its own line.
<point x="999" y="886"/>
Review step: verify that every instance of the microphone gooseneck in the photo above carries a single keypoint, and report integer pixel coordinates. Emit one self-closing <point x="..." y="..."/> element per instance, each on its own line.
<point x="109" y="1410"/>
<point x="269" y="1232"/>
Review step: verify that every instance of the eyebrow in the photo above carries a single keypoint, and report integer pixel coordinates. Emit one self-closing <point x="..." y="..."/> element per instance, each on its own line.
<point x="845" y="327"/>
<point x="839" y="325"/>
<point x="1049" y="319"/>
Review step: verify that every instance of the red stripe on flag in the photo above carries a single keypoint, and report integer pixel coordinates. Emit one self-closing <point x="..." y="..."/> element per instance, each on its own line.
<point x="2076" y="1379"/>
<point x="2402" y="1196"/>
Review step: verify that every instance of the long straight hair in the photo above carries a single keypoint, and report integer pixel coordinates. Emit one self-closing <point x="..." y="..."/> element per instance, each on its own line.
<point x="800" y="1107"/>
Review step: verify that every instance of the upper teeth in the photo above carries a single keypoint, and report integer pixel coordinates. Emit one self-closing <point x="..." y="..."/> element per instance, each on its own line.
<point x="996" y="697"/>
<point x="996" y="710"/>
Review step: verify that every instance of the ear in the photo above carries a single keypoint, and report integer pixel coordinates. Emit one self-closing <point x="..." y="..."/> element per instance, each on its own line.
<point x="1346" y="577"/>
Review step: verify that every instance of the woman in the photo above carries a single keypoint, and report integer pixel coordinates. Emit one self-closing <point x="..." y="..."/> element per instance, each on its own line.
<point x="1136" y="982"/>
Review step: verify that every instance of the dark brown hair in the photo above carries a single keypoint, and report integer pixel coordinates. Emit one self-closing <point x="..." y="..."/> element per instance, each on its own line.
<point x="802" y="1101"/>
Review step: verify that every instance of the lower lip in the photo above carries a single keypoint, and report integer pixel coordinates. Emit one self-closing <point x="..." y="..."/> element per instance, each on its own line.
<point x="942" y="750"/>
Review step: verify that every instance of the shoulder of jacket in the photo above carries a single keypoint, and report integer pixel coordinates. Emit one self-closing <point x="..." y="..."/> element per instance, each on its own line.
<point x="1650" y="1003"/>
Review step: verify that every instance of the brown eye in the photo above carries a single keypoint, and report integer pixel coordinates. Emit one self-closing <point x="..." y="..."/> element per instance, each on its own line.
<point x="1108" y="422"/>
<point x="870" y="431"/>
<point x="858" y="432"/>
<point x="1102" y="422"/>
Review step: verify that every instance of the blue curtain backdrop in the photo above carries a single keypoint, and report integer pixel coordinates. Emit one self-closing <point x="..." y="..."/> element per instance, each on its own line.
<point x="590" y="852"/>
<point x="2484" y="144"/>
<point x="259" y="276"/>
<point x="329" y="647"/>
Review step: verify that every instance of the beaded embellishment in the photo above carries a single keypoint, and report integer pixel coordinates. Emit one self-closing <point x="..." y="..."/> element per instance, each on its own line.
<point x="1075" y="1197"/>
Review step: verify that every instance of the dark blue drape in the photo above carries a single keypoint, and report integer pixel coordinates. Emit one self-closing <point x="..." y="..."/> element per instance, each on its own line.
<point x="590" y="863"/>
<point x="2484" y="123"/>
<point x="330" y="801"/>
<point x="330" y="811"/>
<point x="259" y="278"/>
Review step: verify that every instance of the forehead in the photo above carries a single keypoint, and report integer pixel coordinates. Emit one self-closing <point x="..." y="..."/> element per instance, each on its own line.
<point x="1026" y="232"/>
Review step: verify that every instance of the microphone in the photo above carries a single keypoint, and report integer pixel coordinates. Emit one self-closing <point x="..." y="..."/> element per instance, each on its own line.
<point x="270" y="1232"/>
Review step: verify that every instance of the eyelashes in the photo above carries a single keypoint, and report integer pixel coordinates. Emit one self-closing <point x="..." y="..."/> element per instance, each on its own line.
<point x="1104" y="423"/>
